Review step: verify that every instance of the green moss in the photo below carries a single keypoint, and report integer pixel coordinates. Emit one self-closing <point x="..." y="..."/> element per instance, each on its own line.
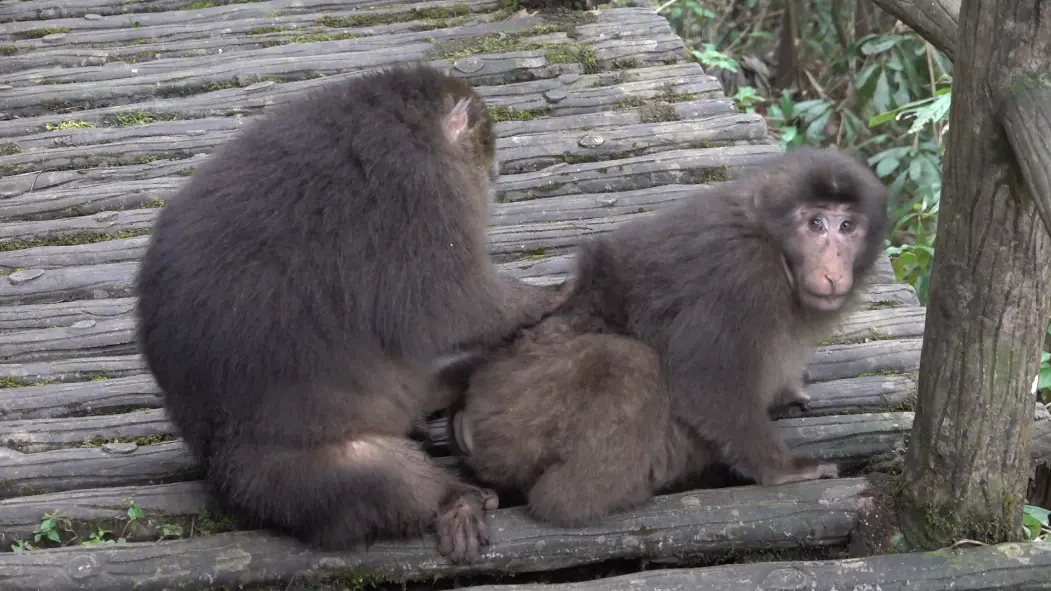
<point x="312" y="38"/>
<point x="582" y="158"/>
<point x="38" y="33"/>
<point x="631" y="102"/>
<point x="68" y="124"/>
<point x="657" y="112"/>
<point x="10" y="149"/>
<point x="186" y="171"/>
<point x="206" y="87"/>
<point x="533" y="253"/>
<point x="151" y="203"/>
<point x="388" y="18"/>
<point x="717" y="174"/>
<point x="549" y="187"/>
<point x="199" y="5"/>
<point x="213" y="521"/>
<point x="143" y="440"/>
<point x="71" y="239"/>
<point x="138" y="117"/>
<point x="11" y="382"/>
<point x="702" y="145"/>
<point x="567" y="53"/>
<point x="8" y="50"/>
<point x="879" y="304"/>
<point x="882" y="372"/>
<point x="354" y="579"/>
<point x="510" y="114"/>
<point x="264" y="30"/>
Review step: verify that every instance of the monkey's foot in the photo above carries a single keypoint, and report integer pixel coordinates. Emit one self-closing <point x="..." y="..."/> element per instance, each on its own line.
<point x="791" y="402"/>
<point x="461" y="527"/>
<point x="803" y="469"/>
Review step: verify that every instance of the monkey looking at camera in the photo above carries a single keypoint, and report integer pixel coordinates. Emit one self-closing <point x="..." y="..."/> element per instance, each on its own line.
<point x="303" y="290"/>
<point x="679" y="333"/>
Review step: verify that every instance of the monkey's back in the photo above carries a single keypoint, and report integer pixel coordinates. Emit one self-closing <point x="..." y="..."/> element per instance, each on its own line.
<point x="310" y="247"/>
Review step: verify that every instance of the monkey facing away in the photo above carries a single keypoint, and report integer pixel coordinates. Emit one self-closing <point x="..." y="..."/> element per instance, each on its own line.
<point x="678" y="335"/>
<point x="303" y="289"/>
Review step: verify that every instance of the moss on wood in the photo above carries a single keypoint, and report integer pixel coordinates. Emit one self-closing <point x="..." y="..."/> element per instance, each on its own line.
<point x="70" y="239"/>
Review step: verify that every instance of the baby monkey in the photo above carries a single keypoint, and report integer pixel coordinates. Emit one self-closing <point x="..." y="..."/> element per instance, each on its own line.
<point x="678" y="335"/>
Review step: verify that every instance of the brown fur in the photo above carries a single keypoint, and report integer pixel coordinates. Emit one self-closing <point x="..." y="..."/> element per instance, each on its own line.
<point x="679" y="334"/>
<point x="303" y="287"/>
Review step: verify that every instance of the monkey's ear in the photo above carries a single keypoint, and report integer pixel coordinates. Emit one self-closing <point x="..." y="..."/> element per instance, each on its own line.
<point x="455" y="122"/>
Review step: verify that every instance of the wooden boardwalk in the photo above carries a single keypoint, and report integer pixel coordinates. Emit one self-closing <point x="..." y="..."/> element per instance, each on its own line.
<point x="106" y="106"/>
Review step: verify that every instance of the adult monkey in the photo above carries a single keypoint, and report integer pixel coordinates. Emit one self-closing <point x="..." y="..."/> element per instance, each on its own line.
<point x="301" y="292"/>
<point x="679" y="334"/>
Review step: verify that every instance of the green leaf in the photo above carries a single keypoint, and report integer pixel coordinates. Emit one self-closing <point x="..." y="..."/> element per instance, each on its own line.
<point x="887" y="166"/>
<point x="1038" y="513"/>
<point x="881" y="44"/>
<point x="1045" y="378"/>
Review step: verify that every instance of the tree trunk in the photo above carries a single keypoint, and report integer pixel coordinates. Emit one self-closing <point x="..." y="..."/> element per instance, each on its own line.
<point x="967" y="464"/>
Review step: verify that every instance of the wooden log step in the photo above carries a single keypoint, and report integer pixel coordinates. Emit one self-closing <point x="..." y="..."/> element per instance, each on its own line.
<point x="99" y="396"/>
<point x="584" y="93"/>
<point x="72" y="333"/>
<point x="985" y="568"/>
<point x="280" y="63"/>
<point x="69" y="399"/>
<point x="49" y="10"/>
<point x="515" y="155"/>
<point x="70" y="370"/>
<point x="814" y="514"/>
<point x="339" y="33"/>
<point x="870" y="394"/>
<point x="850" y="439"/>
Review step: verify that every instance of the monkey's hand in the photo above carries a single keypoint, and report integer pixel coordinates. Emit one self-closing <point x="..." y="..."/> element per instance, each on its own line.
<point x="802" y="469"/>
<point x="461" y="527"/>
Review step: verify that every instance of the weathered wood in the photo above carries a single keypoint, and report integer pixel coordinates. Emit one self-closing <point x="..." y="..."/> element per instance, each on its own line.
<point x="937" y="21"/>
<point x="270" y="63"/>
<point x="161" y="503"/>
<point x="78" y="328"/>
<point x="851" y="439"/>
<point x="155" y="11"/>
<point x="966" y="469"/>
<point x="61" y="314"/>
<point x="1027" y="122"/>
<point x="120" y="464"/>
<point x="846" y="361"/>
<point x="74" y="370"/>
<point x="707" y="522"/>
<point x="38" y="435"/>
<point x="640" y="36"/>
<point x="585" y="93"/>
<point x="987" y="568"/>
<point x="92" y="337"/>
<point x="80" y="398"/>
<point x="867" y="394"/>
<point x="834" y="362"/>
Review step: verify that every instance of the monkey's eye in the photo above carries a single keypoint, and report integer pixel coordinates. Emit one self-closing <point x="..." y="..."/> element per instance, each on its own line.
<point x="847" y="226"/>
<point x="816" y="225"/>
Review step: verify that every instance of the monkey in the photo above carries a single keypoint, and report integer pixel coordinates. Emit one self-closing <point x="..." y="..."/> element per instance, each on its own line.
<point x="679" y="334"/>
<point x="302" y="294"/>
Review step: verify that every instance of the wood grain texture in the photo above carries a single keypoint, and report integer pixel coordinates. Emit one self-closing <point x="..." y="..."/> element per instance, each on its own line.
<point x="808" y="515"/>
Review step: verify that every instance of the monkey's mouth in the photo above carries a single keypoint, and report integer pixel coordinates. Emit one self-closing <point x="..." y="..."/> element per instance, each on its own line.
<point x="824" y="303"/>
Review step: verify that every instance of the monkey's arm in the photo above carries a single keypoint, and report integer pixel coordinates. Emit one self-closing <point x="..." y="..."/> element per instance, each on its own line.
<point x="715" y="376"/>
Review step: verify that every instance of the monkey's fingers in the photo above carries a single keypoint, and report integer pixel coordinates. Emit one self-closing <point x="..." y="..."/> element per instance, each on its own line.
<point x="462" y="530"/>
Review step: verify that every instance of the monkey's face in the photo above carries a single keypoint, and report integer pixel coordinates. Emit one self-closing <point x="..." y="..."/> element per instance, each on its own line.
<point x="822" y="247"/>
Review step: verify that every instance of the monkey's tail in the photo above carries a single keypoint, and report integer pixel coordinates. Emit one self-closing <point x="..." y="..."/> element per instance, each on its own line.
<point x="336" y="497"/>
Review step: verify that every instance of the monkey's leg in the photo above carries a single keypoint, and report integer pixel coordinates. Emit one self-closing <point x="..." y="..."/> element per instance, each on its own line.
<point x="749" y="443"/>
<point x="790" y="401"/>
<point x="589" y="486"/>
<point x="373" y="487"/>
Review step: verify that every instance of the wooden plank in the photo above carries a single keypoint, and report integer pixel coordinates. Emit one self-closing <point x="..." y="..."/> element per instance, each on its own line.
<point x="73" y="331"/>
<point x="868" y="394"/>
<point x="119" y="464"/>
<point x="72" y="370"/>
<point x="984" y="568"/>
<point x="851" y="439"/>
<point x="706" y="522"/>
<point x="80" y="398"/>
<point x="834" y="362"/>
<point x="584" y="93"/>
